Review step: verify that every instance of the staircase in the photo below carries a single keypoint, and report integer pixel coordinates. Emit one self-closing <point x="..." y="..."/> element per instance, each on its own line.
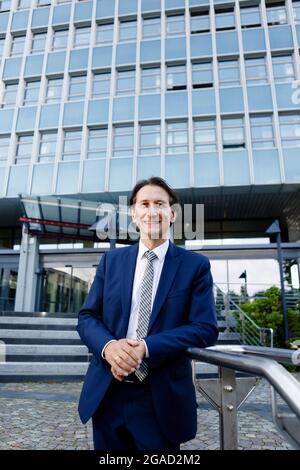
<point x="235" y="327"/>
<point x="39" y="347"/>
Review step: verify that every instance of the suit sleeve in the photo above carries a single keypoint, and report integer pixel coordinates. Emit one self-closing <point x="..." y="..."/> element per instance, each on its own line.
<point x="90" y="326"/>
<point x="200" y="330"/>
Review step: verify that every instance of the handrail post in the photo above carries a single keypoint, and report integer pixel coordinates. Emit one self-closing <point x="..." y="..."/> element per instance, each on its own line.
<point x="228" y="410"/>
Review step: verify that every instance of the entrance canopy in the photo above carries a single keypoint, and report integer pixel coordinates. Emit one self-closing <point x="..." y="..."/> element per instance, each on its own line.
<point x="55" y="217"/>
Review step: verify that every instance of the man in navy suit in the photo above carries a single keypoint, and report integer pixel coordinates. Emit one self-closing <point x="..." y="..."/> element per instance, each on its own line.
<point x="149" y="302"/>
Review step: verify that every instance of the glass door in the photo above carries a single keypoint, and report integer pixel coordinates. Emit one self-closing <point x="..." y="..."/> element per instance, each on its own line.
<point x="64" y="288"/>
<point x="8" y="286"/>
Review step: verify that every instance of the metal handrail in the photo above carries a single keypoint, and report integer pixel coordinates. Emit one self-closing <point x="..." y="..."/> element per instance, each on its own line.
<point x="240" y="357"/>
<point x="256" y="336"/>
<point x="260" y="330"/>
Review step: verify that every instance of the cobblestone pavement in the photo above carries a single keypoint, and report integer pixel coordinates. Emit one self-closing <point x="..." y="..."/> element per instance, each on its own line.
<point x="44" y="416"/>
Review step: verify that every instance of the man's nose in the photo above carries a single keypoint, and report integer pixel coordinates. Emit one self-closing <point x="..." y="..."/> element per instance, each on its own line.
<point x="152" y="210"/>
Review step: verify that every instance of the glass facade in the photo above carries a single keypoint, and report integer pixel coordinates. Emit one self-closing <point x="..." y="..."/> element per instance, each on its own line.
<point x="92" y="88"/>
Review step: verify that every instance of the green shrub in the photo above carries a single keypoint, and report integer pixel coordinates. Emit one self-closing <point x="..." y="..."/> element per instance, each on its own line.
<point x="266" y="312"/>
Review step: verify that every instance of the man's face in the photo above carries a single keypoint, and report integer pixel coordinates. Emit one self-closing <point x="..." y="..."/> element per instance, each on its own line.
<point x="152" y="213"/>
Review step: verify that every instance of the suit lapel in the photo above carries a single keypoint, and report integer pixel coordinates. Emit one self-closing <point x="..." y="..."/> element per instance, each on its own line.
<point x="127" y="272"/>
<point x="171" y="264"/>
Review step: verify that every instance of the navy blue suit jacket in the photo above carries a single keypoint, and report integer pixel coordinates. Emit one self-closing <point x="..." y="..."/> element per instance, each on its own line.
<point x="183" y="316"/>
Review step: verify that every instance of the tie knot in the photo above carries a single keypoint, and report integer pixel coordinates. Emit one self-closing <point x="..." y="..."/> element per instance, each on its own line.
<point x="150" y="255"/>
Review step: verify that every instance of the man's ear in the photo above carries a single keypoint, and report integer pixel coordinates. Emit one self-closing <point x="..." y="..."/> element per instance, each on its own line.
<point x="132" y="213"/>
<point x="173" y="216"/>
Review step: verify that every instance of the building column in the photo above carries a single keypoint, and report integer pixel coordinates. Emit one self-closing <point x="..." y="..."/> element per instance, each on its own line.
<point x="27" y="273"/>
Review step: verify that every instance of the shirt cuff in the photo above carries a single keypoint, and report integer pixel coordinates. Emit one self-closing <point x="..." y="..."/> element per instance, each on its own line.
<point x="146" y="347"/>
<point x="102" y="353"/>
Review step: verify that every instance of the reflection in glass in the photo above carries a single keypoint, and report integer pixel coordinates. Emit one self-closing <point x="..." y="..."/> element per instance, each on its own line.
<point x="149" y="143"/>
<point x="177" y="137"/>
<point x="64" y="289"/>
<point x="72" y="145"/>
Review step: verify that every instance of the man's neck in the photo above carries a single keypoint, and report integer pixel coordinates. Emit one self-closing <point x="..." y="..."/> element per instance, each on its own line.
<point x="152" y="244"/>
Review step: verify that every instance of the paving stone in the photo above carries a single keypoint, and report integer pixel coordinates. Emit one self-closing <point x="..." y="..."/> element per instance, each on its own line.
<point x="38" y="422"/>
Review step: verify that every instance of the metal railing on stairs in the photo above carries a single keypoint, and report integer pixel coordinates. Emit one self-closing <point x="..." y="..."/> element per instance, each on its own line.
<point x="228" y="392"/>
<point x="237" y="321"/>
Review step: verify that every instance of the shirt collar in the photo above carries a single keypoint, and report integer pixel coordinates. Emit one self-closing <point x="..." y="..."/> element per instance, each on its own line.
<point x="160" y="251"/>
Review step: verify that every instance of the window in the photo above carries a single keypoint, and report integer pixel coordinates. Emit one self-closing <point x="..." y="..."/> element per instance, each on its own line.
<point x="31" y="93"/>
<point x="10" y="95"/>
<point x="151" y="27"/>
<point x="105" y="33"/>
<point x="276" y="13"/>
<point x="177" y="137"/>
<point x="4" y="147"/>
<point x="283" y="68"/>
<point x="60" y="39"/>
<point x="97" y="143"/>
<point x="43" y="3"/>
<point x="127" y="31"/>
<point x="176" y="77"/>
<point x="229" y="72"/>
<point x="17" y="45"/>
<point x="123" y="141"/>
<point x="205" y="137"/>
<point x="233" y="133"/>
<point x="202" y="75"/>
<point x="125" y="82"/>
<point x="149" y="143"/>
<point x="77" y="86"/>
<point x="5" y="5"/>
<point x="200" y="22"/>
<point x="290" y="130"/>
<point x="54" y="90"/>
<point x="250" y="16"/>
<point x="256" y="70"/>
<point x="150" y="80"/>
<point x="101" y="85"/>
<point x="22" y="4"/>
<point x="47" y="147"/>
<point x="262" y="134"/>
<point x="175" y="25"/>
<point x="296" y="10"/>
<point x="24" y="148"/>
<point x="72" y="145"/>
<point x="82" y="36"/>
<point x="38" y="42"/>
<point x="225" y="19"/>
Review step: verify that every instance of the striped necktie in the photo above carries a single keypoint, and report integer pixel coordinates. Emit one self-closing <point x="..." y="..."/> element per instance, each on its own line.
<point x="145" y="308"/>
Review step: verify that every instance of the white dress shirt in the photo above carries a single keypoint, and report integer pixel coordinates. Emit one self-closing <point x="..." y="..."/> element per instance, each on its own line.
<point x="140" y="267"/>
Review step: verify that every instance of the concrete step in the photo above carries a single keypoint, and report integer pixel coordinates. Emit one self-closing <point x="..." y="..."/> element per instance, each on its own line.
<point x="45" y="358"/>
<point x="204" y="370"/>
<point x="228" y="336"/>
<point x="42" y="371"/>
<point x="43" y="334"/>
<point x="41" y="341"/>
<point x="43" y="353"/>
<point x="8" y="313"/>
<point x="58" y="350"/>
<point x="36" y="323"/>
<point x="42" y="368"/>
<point x="14" y="320"/>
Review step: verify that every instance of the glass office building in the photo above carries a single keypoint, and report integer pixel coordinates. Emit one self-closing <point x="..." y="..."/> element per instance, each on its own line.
<point x="96" y="95"/>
